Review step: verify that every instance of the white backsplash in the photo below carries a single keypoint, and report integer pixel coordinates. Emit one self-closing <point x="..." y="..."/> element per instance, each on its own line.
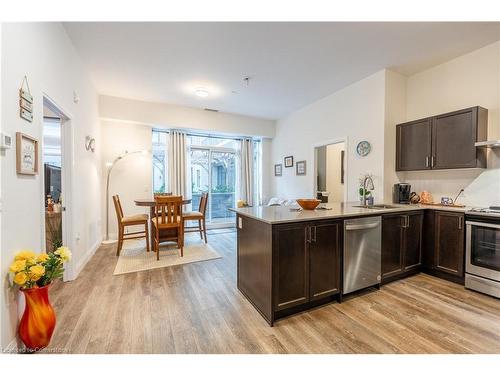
<point x="482" y="186"/>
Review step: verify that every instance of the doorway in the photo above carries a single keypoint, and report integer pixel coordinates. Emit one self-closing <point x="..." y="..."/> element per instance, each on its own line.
<point x="330" y="181"/>
<point x="213" y="171"/>
<point x="56" y="161"/>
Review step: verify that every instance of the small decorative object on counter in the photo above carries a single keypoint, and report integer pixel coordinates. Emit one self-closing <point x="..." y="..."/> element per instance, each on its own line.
<point x="241" y="203"/>
<point x="426" y="197"/>
<point x="308" y="204"/>
<point x="34" y="273"/>
<point x="414" y="198"/>
<point x="446" y="201"/>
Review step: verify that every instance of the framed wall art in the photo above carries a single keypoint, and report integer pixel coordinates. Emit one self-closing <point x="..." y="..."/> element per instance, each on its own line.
<point x="26" y="154"/>
<point x="278" y="169"/>
<point x="300" y="167"/>
<point x="288" y="161"/>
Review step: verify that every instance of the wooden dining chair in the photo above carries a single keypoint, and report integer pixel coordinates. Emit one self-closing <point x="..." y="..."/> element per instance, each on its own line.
<point x="162" y="194"/>
<point x="168" y="217"/>
<point x="198" y="216"/>
<point x="125" y="221"/>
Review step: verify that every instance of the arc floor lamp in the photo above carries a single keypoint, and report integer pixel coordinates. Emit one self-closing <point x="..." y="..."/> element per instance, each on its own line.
<point x="110" y="166"/>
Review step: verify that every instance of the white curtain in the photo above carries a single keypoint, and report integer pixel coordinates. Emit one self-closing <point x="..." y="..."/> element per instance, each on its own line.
<point x="246" y="175"/>
<point x="177" y="164"/>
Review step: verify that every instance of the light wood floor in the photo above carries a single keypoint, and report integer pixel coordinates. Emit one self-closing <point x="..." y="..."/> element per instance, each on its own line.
<point x="196" y="308"/>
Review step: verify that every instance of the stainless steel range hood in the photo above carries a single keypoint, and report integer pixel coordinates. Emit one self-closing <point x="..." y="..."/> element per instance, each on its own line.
<point x="489" y="144"/>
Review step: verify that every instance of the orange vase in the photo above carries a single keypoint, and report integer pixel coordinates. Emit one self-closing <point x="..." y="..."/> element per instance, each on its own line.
<point x="39" y="319"/>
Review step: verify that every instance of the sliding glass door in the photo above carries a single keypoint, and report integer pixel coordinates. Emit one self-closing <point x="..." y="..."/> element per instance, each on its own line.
<point x="214" y="171"/>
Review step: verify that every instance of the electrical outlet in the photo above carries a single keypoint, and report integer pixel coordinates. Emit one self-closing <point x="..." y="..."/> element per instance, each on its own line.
<point x="240" y="223"/>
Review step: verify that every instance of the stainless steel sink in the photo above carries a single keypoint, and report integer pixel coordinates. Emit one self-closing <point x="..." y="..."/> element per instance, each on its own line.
<point x="377" y="206"/>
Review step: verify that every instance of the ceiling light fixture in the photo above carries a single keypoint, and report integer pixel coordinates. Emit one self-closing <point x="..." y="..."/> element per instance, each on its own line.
<point x="201" y="92"/>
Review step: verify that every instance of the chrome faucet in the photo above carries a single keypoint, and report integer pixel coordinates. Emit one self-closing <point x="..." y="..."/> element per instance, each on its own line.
<point x="368" y="179"/>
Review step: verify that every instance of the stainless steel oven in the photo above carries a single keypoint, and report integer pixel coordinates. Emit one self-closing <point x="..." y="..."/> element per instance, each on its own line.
<point x="482" y="252"/>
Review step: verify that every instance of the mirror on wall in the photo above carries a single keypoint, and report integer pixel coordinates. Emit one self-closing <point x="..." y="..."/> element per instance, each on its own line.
<point x="330" y="172"/>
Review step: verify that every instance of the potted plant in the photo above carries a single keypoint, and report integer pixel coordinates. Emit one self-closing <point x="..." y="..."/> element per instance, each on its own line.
<point x="34" y="273"/>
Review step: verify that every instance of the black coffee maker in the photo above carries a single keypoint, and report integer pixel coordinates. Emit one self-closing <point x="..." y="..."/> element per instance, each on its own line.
<point x="401" y="193"/>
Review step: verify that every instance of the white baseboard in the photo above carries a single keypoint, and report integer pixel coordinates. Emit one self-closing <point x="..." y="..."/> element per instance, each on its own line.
<point x="79" y="267"/>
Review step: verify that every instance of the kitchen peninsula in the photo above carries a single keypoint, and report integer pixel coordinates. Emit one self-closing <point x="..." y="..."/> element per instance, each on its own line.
<point x="292" y="260"/>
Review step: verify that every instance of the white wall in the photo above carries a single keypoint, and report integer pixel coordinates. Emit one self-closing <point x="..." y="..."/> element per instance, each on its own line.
<point x="163" y="115"/>
<point x="469" y="80"/>
<point x="333" y="172"/>
<point x="127" y="124"/>
<point x="45" y="54"/>
<point x="131" y="177"/>
<point x="356" y="113"/>
<point x="267" y="170"/>
<point x="395" y="113"/>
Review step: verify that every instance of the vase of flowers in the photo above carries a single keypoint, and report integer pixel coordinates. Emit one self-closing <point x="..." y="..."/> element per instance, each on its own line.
<point x="34" y="273"/>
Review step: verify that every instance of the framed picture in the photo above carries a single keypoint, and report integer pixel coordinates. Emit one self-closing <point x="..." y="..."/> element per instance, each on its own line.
<point x="26" y="154"/>
<point x="342" y="157"/>
<point x="300" y="167"/>
<point x="288" y="161"/>
<point x="278" y="169"/>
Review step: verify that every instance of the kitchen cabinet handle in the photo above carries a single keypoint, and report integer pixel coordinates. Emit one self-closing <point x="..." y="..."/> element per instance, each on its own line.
<point x="460" y="222"/>
<point x="361" y="226"/>
<point x="427" y="161"/>
<point x="433" y="161"/>
<point x="308" y="234"/>
<point x="406" y="221"/>
<point x="314" y="231"/>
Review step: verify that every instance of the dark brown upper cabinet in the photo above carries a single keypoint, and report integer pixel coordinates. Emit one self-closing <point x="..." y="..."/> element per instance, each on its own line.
<point x="443" y="142"/>
<point x="414" y="145"/>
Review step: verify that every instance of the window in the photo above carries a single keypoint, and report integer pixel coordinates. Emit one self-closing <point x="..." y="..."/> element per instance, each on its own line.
<point x="160" y="165"/>
<point x="213" y="168"/>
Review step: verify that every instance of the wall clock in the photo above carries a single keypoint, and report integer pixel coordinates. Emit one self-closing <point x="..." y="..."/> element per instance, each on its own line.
<point x="363" y="148"/>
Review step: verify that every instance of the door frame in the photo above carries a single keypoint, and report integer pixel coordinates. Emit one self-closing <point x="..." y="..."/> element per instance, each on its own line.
<point x="67" y="160"/>
<point x="210" y="151"/>
<point x="345" y="140"/>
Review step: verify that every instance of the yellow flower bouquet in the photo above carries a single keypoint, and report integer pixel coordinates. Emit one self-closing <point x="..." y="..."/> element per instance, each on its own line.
<point x="32" y="270"/>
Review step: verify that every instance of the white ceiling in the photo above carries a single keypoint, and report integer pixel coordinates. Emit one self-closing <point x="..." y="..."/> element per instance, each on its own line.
<point x="290" y="64"/>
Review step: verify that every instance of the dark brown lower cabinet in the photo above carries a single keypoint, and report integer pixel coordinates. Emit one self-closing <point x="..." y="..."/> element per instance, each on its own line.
<point x="444" y="249"/>
<point x="324" y="260"/>
<point x="291" y="259"/>
<point x="449" y="242"/>
<point x="401" y="244"/>
<point x="307" y="262"/>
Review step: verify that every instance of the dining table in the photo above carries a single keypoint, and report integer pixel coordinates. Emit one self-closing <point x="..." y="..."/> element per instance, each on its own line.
<point x="150" y="202"/>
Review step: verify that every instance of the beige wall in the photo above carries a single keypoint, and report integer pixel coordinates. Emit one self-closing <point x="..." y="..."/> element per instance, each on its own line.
<point x="354" y="113"/>
<point x="163" y="115"/>
<point x="333" y="172"/>
<point x="44" y="53"/>
<point x="131" y="177"/>
<point x="395" y="113"/>
<point x="469" y="80"/>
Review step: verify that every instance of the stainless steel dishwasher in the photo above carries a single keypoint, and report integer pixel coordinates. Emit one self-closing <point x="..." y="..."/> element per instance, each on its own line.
<point x="362" y="253"/>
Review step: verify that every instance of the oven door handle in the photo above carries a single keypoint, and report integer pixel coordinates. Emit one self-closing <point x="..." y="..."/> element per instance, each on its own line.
<point x="481" y="224"/>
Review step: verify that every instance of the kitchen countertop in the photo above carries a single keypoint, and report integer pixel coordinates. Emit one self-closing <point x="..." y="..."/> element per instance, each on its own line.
<point x="283" y="214"/>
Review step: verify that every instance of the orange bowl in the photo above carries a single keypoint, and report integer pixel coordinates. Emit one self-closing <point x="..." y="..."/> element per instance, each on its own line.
<point x="308" y="204"/>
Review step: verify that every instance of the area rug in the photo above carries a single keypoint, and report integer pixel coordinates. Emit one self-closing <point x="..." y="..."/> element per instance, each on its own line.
<point x="134" y="258"/>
